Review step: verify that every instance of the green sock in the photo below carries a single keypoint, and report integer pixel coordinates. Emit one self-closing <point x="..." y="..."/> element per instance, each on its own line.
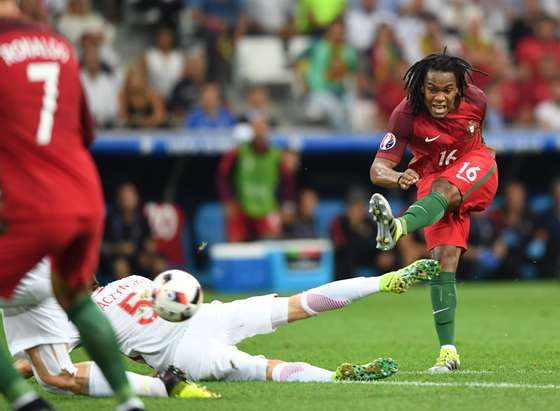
<point x="99" y="340"/>
<point x="12" y="385"/>
<point x="444" y="303"/>
<point x="424" y="212"/>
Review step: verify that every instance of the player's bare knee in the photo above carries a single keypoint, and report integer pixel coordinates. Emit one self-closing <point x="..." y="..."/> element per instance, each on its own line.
<point x="449" y="191"/>
<point x="295" y="309"/>
<point x="448" y="256"/>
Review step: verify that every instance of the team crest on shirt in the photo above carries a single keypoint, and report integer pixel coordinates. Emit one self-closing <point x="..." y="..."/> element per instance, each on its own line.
<point x="388" y="142"/>
<point x="472" y="127"/>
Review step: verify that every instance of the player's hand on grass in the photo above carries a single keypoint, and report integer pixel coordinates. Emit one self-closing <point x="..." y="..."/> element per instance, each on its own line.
<point x="407" y="179"/>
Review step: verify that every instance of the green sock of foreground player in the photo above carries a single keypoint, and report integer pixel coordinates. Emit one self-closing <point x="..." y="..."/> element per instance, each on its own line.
<point x="12" y="385"/>
<point x="444" y="303"/>
<point x="424" y="212"/>
<point x="99" y="340"/>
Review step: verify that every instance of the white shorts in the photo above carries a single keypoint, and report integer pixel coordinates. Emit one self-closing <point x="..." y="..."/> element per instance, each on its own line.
<point x="46" y="323"/>
<point x="207" y="349"/>
<point x="34" y="288"/>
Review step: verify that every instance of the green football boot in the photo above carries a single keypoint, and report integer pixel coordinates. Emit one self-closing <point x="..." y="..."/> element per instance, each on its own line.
<point x="375" y="370"/>
<point x="389" y="228"/>
<point x="447" y="361"/>
<point x="399" y="281"/>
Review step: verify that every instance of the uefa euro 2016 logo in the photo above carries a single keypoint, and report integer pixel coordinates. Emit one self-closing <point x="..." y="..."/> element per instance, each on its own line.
<point x="388" y="142"/>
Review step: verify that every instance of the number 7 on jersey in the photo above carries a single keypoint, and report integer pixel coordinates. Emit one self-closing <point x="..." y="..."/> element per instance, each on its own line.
<point x="48" y="73"/>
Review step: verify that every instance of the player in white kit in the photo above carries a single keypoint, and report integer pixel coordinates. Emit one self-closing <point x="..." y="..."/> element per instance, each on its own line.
<point x="204" y="346"/>
<point x="38" y="335"/>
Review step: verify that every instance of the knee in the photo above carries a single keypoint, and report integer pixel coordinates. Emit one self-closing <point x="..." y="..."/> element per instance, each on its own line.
<point x="448" y="256"/>
<point x="449" y="191"/>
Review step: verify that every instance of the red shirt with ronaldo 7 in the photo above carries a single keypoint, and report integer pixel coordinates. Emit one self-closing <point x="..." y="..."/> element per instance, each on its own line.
<point x="52" y="202"/>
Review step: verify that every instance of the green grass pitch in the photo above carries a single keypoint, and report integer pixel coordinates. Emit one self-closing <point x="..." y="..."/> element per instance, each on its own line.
<point x="508" y="335"/>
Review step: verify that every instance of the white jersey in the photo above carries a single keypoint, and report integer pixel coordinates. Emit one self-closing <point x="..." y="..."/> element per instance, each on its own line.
<point x="139" y="330"/>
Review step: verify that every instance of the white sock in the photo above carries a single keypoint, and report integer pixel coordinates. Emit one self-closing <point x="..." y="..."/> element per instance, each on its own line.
<point x="24" y="399"/>
<point x="279" y="311"/>
<point x="300" y="372"/>
<point x="141" y="384"/>
<point x="337" y="294"/>
<point x="450" y="346"/>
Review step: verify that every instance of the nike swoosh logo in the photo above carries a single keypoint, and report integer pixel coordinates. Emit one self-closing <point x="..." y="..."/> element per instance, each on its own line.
<point x="430" y="139"/>
<point x="439" y="311"/>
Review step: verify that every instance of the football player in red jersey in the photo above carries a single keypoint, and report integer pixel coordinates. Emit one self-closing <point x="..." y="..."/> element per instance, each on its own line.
<point x="52" y="201"/>
<point x="455" y="173"/>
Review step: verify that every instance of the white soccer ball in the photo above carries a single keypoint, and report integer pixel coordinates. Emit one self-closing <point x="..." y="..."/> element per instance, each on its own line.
<point x="176" y="295"/>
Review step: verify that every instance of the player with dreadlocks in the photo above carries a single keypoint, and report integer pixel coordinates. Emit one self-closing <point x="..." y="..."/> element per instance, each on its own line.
<point x="455" y="173"/>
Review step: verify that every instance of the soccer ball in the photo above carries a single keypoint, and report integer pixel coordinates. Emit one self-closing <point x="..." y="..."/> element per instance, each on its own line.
<point x="176" y="295"/>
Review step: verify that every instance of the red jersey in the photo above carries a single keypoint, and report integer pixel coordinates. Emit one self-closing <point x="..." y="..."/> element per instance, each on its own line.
<point x="45" y="126"/>
<point x="435" y="143"/>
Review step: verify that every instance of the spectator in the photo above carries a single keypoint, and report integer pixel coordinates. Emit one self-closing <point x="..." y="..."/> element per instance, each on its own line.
<point x="139" y="105"/>
<point x="518" y="247"/>
<point x="35" y="9"/>
<point x="517" y="97"/>
<point x="494" y="120"/>
<point x="210" y="113"/>
<point x="386" y="53"/>
<point x="387" y="71"/>
<point x="332" y="64"/>
<point x="547" y="113"/>
<point x="480" y="51"/>
<point x="432" y="40"/>
<point x="353" y="237"/>
<point x="101" y="88"/>
<point x="301" y="222"/>
<point x="523" y="17"/>
<point x="362" y="23"/>
<point x="389" y="92"/>
<point x="551" y="221"/>
<point x="163" y="63"/>
<point x="249" y="177"/>
<point x="411" y="28"/>
<point x="544" y="43"/>
<point x="186" y="93"/>
<point x="126" y="243"/>
<point x="220" y="25"/>
<point x="316" y="16"/>
<point x="80" y="20"/>
<point x="271" y="17"/>
<point x="257" y="103"/>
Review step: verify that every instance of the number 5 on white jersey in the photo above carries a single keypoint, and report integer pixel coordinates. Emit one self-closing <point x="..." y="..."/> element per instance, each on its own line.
<point x="48" y="73"/>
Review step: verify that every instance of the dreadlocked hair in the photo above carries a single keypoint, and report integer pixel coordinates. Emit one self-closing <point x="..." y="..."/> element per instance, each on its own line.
<point x="415" y="75"/>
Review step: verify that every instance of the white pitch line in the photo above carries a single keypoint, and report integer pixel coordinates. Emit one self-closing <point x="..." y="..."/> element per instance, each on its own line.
<point x="475" y="384"/>
<point x="459" y="372"/>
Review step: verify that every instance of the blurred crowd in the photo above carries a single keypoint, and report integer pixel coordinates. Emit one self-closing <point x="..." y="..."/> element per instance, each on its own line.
<point x="331" y="63"/>
<point x="335" y="64"/>
<point x="256" y="182"/>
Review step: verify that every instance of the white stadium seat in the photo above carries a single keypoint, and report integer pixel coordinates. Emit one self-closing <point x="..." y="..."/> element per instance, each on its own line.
<point x="261" y="60"/>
